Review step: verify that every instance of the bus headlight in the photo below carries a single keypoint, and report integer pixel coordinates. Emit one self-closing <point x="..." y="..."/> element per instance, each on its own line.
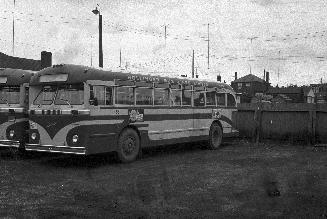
<point x="33" y="136"/>
<point x="75" y="138"/>
<point x="11" y="133"/>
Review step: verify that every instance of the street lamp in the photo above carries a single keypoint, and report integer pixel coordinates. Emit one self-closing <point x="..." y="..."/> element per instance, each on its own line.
<point x="96" y="12"/>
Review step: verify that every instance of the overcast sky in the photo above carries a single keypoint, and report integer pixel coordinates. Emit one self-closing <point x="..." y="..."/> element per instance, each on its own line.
<point x="288" y="38"/>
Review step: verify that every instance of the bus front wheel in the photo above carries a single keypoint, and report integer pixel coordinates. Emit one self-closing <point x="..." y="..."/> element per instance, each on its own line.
<point x="215" y="136"/>
<point x="128" y="146"/>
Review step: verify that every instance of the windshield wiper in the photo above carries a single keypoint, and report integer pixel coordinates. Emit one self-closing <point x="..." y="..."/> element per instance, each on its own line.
<point x="66" y="101"/>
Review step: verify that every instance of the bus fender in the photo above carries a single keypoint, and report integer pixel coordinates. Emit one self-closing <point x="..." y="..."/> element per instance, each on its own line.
<point x="217" y="121"/>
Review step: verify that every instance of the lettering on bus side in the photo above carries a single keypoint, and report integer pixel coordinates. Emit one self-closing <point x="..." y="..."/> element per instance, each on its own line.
<point x="136" y="115"/>
<point x="143" y="78"/>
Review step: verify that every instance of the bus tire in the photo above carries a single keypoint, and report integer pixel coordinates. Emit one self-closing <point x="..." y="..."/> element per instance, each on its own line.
<point x="215" y="136"/>
<point x="128" y="146"/>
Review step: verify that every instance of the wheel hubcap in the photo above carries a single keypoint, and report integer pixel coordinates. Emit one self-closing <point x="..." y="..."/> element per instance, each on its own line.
<point x="129" y="146"/>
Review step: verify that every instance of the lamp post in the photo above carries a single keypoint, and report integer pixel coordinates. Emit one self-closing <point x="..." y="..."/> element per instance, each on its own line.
<point x="96" y="12"/>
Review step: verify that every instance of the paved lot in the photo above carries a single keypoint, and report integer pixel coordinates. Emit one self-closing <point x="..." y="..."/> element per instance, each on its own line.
<point x="181" y="181"/>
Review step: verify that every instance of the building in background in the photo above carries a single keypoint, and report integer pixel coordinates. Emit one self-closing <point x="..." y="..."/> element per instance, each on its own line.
<point x="7" y="61"/>
<point x="309" y="95"/>
<point x="292" y="94"/>
<point x="320" y="91"/>
<point x="250" y="86"/>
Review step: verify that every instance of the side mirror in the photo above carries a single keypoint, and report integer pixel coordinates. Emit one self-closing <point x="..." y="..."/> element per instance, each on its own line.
<point x="93" y="101"/>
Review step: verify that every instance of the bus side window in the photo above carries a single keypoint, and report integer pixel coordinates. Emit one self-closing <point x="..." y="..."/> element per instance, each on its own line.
<point x="187" y="97"/>
<point x="108" y="96"/>
<point x="198" y="98"/>
<point x="211" y="99"/>
<point x="161" y="96"/>
<point x="26" y="96"/>
<point x="175" y="97"/>
<point x="143" y="96"/>
<point x="99" y="94"/>
<point x="124" y="96"/>
<point x="221" y="99"/>
<point x="231" y="100"/>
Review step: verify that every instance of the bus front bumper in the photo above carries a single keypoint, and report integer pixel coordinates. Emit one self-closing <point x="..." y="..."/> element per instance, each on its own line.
<point x="56" y="149"/>
<point x="9" y="143"/>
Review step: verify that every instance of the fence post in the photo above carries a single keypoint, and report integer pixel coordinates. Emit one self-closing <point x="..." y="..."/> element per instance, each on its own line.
<point x="310" y="127"/>
<point x="257" y="123"/>
<point x="314" y="122"/>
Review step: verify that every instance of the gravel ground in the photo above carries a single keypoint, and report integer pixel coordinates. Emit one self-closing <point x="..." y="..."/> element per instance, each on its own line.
<point x="180" y="181"/>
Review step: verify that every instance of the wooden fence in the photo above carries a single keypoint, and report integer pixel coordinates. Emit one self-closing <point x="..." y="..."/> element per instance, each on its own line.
<point x="303" y="122"/>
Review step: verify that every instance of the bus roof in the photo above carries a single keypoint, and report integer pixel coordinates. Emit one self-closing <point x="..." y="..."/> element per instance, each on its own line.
<point x="10" y="76"/>
<point x="79" y="74"/>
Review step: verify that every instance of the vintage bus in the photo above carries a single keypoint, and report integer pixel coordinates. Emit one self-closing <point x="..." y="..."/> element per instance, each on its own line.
<point x="82" y="110"/>
<point x="13" y="107"/>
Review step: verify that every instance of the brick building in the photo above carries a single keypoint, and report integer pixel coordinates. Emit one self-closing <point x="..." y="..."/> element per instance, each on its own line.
<point x="250" y="85"/>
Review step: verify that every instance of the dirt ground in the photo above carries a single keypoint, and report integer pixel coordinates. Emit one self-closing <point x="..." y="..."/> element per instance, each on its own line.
<point x="180" y="181"/>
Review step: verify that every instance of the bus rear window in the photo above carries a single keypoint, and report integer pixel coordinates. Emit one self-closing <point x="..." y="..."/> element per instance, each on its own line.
<point x="9" y="95"/>
<point x="231" y="100"/>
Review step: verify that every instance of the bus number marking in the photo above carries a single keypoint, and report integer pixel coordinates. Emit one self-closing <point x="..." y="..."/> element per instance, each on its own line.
<point x="136" y="115"/>
<point x="216" y="114"/>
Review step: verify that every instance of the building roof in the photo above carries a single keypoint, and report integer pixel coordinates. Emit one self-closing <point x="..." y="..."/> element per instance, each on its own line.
<point x="282" y="97"/>
<point x="284" y="90"/>
<point x="249" y="78"/>
<point x="306" y="90"/>
<point x="7" y="61"/>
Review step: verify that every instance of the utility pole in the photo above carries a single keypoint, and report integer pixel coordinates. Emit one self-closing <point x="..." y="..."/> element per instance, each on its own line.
<point x="97" y="12"/>
<point x="91" y="51"/>
<point x="278" y="65"/>
<point x="120" y="58"/>
<point x="251" y="39"/>
<point x="13" y="30"/>
<point x="193" y="64"/>
<point x="165" y="35"/>
<point x="208" y="46"/>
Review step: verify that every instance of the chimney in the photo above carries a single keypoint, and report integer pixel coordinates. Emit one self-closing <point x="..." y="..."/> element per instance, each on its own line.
<point x="267" y="76"/>
<point x="264" y="74"/>
<point x="236" y="75"/>
<point x="219" y="78"/>
<point x="46" y="59"/>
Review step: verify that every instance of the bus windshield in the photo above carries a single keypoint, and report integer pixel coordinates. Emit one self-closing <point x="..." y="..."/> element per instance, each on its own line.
<point x="70" y="94"/>
<point x="9" y="95"/>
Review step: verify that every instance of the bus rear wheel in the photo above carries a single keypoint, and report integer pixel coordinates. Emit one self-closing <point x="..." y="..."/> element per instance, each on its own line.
<point x="215" y="136"/>
<point x="128" y="146"/>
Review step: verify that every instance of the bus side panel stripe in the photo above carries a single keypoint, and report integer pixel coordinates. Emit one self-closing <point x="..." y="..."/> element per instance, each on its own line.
<point x="61" y="135"/>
